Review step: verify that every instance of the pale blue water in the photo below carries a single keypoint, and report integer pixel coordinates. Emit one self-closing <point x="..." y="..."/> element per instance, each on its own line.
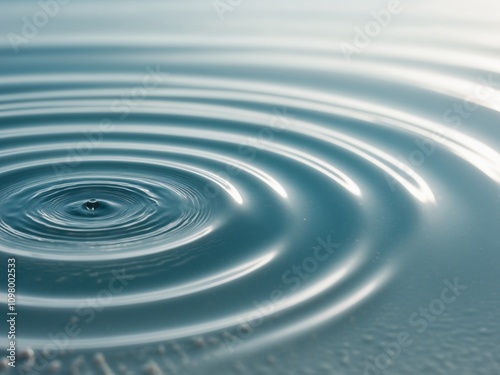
<point x="255" y="187"/>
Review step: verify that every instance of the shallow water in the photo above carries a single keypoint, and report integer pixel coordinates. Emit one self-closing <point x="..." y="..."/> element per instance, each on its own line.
<point x="190" y="189"/>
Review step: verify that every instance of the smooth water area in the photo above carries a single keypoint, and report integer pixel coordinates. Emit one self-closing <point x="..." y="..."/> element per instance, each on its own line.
<point x="255" y="187"/>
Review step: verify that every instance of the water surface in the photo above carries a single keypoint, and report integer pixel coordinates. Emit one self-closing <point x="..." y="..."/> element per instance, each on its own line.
<point x="251" y="188"/>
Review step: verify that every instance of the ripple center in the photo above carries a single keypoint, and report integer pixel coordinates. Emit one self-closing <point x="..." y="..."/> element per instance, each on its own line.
<point x="92" y="204"/>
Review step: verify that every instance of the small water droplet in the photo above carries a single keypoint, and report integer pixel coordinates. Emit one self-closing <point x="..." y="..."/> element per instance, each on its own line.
<point x="92" y="204"/>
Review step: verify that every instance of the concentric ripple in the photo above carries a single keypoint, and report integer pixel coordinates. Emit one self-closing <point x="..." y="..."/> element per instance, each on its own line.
<point x="126" y="211"/>
<point x="203" y="191"/>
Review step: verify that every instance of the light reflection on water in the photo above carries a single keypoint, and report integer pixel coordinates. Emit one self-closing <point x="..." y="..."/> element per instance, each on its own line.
<point x="279" y="186"/>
